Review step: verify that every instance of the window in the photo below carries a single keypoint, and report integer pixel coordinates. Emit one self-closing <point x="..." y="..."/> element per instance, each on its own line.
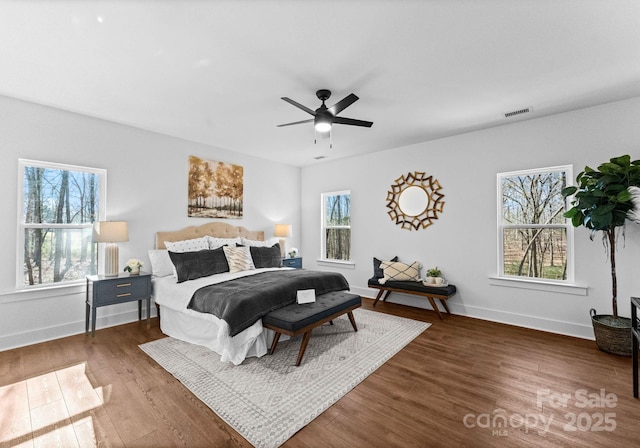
<point x="336" y="226"/>
<point x="57" y="207"/>
<point x="535" y="240"/>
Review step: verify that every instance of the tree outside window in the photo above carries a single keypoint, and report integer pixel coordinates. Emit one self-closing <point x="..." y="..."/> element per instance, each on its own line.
<point x="58" y="207"/>
<point x="535" y="239"/>
<point x="336" y="226"/>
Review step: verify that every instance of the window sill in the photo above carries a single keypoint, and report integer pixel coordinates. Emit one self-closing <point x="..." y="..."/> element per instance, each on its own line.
<point x="337" y="263"/>
<point x="539" y="285"/>
<point x="43" y="292"/>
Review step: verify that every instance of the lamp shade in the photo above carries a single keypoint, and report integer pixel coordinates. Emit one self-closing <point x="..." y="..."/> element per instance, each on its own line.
<point x="282" y="230"/>
<point x="110" y="232"/>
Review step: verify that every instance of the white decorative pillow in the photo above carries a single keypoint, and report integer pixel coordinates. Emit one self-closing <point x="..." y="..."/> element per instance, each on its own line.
<point x="239" y="258"/>
<point x="193" y="245"/>
<point x="397" y="271"/>
<point x="214" y="242"/>
<point x="161" y="265"/>
<point x="256" y="243"/>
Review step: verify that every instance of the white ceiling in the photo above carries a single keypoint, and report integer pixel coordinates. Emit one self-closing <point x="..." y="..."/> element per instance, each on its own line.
<point x="213" y="72"/>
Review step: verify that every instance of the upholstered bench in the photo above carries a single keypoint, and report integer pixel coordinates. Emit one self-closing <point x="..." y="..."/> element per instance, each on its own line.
<point x="297" y="319"/>
<point x="441" y="293"/>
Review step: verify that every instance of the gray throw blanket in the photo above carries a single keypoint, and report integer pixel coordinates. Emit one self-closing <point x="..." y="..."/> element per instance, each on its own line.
<point x="241" y="302"/>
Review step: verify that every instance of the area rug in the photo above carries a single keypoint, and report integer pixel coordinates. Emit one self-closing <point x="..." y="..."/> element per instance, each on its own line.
<point x="269" y="399"/>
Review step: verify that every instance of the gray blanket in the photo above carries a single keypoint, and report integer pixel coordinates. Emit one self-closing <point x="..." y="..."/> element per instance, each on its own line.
<point x="241" y="302"/>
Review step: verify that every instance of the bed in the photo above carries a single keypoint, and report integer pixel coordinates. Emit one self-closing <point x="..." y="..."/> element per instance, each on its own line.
<point x="173" y="294"/>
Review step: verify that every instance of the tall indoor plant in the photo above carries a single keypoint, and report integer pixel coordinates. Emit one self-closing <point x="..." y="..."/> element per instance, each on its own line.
<point x="603" y="202"/>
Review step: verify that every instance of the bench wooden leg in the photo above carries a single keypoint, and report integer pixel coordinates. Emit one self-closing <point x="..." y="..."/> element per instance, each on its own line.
<point x="307" y="336"/>
<point x="435" y="307"/>
<point x="444" y="304"/>
<point x="276" y="338"/>
<point x="380" y="294"/>
<point x="352" y="320"/>
<point x="303" y="346"/>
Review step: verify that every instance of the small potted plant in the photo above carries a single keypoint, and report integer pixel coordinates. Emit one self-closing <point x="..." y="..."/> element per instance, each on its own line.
<point x="603" y="200"/>
<point x="133" y="266"/>
<point x="434" y="276"/>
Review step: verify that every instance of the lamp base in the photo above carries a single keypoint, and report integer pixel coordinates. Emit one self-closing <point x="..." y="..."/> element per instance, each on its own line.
<point x="111" y="260"/>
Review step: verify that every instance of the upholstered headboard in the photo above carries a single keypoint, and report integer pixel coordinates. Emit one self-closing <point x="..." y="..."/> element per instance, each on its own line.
<point x="217" y="229"/>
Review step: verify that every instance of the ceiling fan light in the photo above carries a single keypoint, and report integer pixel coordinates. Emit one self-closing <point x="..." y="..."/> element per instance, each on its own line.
<point x="323" y="126"/>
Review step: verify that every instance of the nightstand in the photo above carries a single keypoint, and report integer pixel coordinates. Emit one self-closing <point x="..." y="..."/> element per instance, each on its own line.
<point x="295" y="262"/>
<point x="102" y="291"/>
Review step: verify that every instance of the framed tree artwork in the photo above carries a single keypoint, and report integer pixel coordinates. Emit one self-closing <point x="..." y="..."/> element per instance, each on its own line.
<point x="215" y="189"/>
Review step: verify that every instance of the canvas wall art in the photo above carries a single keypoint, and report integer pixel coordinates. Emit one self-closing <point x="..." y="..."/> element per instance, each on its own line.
<point x="215" y="189"/>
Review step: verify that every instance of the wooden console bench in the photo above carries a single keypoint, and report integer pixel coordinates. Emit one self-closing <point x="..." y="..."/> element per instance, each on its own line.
<point x="432" y="293"/>
<point x="295" y="319"/>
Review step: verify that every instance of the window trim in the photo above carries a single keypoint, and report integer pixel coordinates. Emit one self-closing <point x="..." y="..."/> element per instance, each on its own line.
<point x="101" y="173"/>
<point x="502" y="279"/>
<point x="323" y="227"/>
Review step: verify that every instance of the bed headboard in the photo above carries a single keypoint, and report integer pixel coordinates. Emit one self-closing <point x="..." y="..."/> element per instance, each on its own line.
<point x="217" y="229"/>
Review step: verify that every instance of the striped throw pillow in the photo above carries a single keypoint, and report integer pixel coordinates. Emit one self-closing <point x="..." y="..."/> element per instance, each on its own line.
<point x="239" y="258"/>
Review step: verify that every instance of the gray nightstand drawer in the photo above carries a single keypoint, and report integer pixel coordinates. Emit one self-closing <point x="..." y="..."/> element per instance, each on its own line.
<point x="119" y="290"/>
<point x="295" y="262"/>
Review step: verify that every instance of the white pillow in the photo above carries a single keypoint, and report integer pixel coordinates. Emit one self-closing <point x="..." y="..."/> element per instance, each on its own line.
<point x="161" y="265"/>
<point x="214" y="242"/>
<point x="193" y="245"/>
<point x="239" y="258"/>
<point x="256" y="243"/>
<point x="397" y="271"/>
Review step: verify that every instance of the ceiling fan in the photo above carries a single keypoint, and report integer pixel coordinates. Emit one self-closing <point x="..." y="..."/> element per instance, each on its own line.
<point x="324" y="117"/>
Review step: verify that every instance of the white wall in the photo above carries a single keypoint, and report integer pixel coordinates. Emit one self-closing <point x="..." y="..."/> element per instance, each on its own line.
<point x="146" y="186"/>
<point x="462" y="242"/>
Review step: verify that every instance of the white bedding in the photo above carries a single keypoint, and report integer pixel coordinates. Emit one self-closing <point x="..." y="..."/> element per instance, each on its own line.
<point x="179" y="322"/>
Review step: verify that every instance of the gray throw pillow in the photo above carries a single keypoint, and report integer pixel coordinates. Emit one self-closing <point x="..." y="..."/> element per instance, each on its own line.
<point x="266" y="257"/>
<point x="203" y="263"/>
<point x="377" y="270"/>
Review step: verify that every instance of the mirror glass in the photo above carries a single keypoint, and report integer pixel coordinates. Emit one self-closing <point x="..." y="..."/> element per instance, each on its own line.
<point x="413" y="201"/>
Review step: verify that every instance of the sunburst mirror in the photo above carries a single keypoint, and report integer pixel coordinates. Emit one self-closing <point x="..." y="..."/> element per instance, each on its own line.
<point x="415" y="201"/>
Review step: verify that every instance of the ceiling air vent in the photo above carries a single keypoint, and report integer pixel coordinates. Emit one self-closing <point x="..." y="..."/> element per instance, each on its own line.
<point x="517" y="112"/>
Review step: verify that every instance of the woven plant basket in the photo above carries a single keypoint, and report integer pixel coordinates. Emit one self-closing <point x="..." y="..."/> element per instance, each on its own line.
<point x="615" y="338"/>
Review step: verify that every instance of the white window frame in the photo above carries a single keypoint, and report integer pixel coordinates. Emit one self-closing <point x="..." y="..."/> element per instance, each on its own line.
<point x="503" y="279"/>
<point x="324" y="227"/>
<point x="22" y="226"/>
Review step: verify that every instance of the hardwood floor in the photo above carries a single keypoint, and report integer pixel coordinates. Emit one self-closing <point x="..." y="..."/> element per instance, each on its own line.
<point x="443" y="389"/>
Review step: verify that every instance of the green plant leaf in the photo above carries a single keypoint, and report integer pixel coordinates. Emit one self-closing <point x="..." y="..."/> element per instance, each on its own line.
<point x="615" y="188"/>
<point x="577" y="220"/>
<point x="624" y="196"/>
<point x="622" y="161"/>
<point x="603" y="210"/>
<point x="568" y="191"/>
<point x="570" y="213"/>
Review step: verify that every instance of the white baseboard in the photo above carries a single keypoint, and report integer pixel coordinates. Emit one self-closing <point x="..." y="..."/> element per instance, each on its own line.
<point x="519" y="320"/>
<point x="69" y="329"/>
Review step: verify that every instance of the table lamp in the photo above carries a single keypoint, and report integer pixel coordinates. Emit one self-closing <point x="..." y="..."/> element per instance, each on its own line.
<point x="282" y="231"/>
<point x="110" y="232"/>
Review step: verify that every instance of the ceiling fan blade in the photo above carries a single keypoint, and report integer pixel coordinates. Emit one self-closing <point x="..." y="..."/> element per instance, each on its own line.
<point x="296" y="122"/>
<point x="343" y="104"/>
<point x="299" y="106"/>
<point x="352" y="121"/>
